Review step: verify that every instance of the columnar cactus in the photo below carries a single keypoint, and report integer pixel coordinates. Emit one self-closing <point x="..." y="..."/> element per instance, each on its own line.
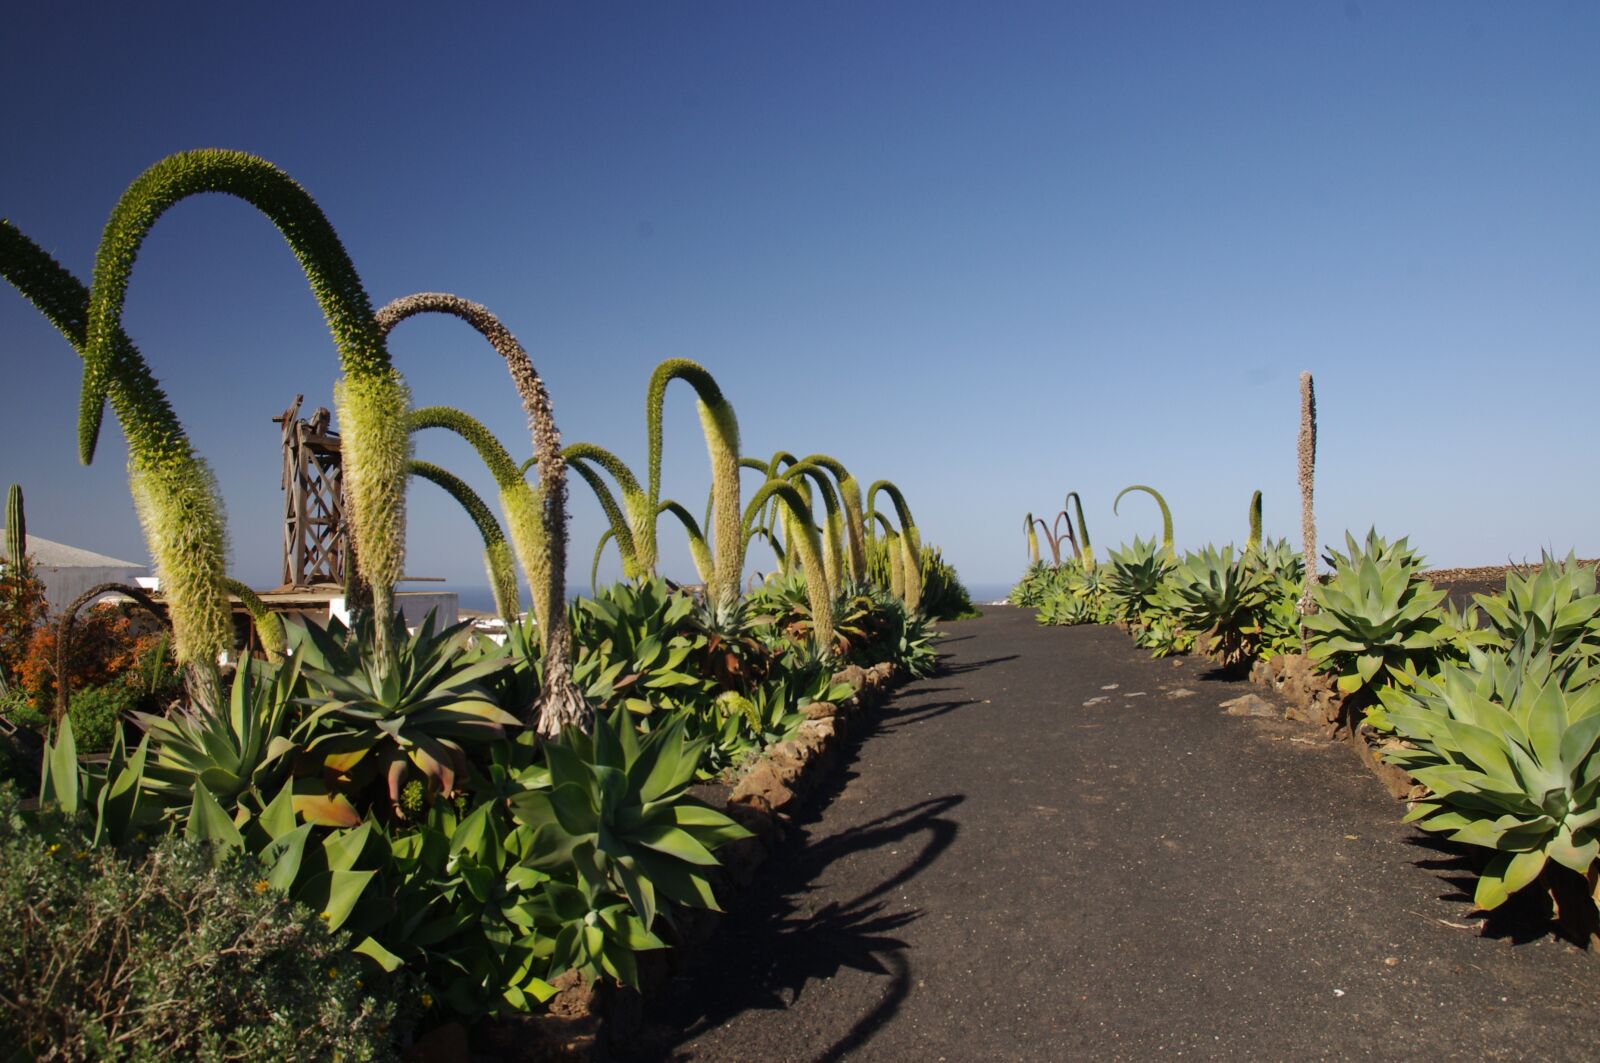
<point x="497" y="558"/>
<point x="910" y="540"/>
<point x="1166" y="514"/>
<point x="16" y="528"/>
<point x="721" y="428"/>
<point x="1307" y="454"/>
<point x="1085" y="547"/>
<point x="174" y="491"/>
<point x="371" y="398"/>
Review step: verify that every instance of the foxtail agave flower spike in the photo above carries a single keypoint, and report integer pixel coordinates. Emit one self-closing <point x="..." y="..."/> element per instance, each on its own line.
<point x="1255" y="524"/>
<point x="910" y="540"/>
<point x="806" y="544"/>
<point x="594" y="569"/>
<point x="497" y="558"/>
<point x="519" y="503"/>
<point x="174" y="492"/>
<point x="1086" y="549"/>
<point x="1068" y="535"/>
<point x="698" y="549"/>
<point x="1308" y="468"/>
<point x="854" y="516"/>
<point x="1166" y="514"/>
<point x="1033" y="539"/>
<point x="269" y="625"/>
<point x="371" y="398"/>
<point x="627" y="521"/>
<point x="721" y="428"/>
<point x="896" y="555"/>
<point x="551" y="492"/>
<point x="833" y="547"/>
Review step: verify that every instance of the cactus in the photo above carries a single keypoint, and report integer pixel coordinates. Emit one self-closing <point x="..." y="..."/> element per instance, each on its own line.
<point x="1254" y="541"/>
<point x="560" y="704"/>
<point x="721" y="429"/>
<point x="1033" y="539"/>
<point x="1085" y="547"/>
<point x="497" y="558"/>
<point x="372" y="398"/>
<point x="1166" y="514"/>
<point x="910" y="540"/>
<point x="805" y="543"/>
<point x="269" y="625"/>
<point x="174" y="491"/>
<point x="16" y="528"/>
<point x="1307" y="454"/>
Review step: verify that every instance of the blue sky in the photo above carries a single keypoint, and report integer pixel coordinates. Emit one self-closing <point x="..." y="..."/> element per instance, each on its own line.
<point x="991" y="252"/>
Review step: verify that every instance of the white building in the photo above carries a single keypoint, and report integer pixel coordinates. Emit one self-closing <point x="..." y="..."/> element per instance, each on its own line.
<point x="67" y="571"/>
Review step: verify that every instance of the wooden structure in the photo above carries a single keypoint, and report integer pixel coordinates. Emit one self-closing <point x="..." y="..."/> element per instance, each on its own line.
<point x="315" y="540"/>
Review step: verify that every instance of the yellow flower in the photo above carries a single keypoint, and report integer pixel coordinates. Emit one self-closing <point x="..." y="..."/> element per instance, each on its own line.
<point x="54" y="847"/>
<point x="262" y="885"/>
<point x="333" y="972"/>
<point x="324" y="916"/>
<point x="427" y="1000"/>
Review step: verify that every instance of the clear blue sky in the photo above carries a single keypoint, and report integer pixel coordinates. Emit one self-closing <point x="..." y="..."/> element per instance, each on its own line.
<point x="993" y="252"/>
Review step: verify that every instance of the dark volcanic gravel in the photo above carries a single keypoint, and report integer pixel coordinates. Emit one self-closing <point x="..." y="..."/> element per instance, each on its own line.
<point x="1052" y="851"/>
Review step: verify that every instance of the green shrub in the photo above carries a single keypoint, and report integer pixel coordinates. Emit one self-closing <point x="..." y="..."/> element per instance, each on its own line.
<point x="1220" y="597"/>
<point x="1284" y="572"/>
<point x="159" y="955"/>
<point x="1135" y="575"/>
<point x="1554" y="606"/>
<point x="944" y="597"/>
<point x="97" y="712"/>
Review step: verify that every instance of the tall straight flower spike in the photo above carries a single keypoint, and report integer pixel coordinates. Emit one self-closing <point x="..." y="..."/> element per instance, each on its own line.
<point x="910" y="540"/>
<point x="721" y="429"/>
<point x="1307" y="455"/>
<point x="1085" y="547"/>
<point x="1254" y="541"/>
<point x="1033" y="539"/>
<point x="174" y="491"/>
<point x="371" y="397"/>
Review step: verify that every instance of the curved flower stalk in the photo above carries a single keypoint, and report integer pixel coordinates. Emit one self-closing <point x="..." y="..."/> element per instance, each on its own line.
<point x="1058" y="535"/>
<point x="910" y="540"/>
<point x="551" y="493"/>
<point x="1166" y="514"/>
<point x="174" y="491"/>
<point x="625" y="519"/>
<point x="897" y="561"/>
<point x="833" y="536"/>
<point x="1254" y="541"/>
<point x="594" y="569"/>
<point x="1033" y="539"/>
<point x="721" y="428"/>
<point x="805" y="542"/>
<point x="1308" y="469"/>
<point x="64" y="633"/>
<point x="269" y="625"/>
<point x="699" y="550"/>
<point x="497" y="558"/>
<point x="519" y="503"/>
<point x="371" y="398"/>
<point x="1086" y="549"/>
<point x="855" y="524"/>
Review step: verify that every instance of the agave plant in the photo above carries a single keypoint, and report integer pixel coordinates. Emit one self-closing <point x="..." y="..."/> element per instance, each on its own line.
<point x="1220" y="597"/>
<point x="1506" y="745"/>
<point x="1135" y="574"/>
<point x="404" y="723"/>
<point x="1085" y="548"/>
<point x="497" y="558"/>
<point x="1376" y="617"/>
<point x="1554" y="605"/>
<point x="910" y="541"/>
<point x="619" y="834"/>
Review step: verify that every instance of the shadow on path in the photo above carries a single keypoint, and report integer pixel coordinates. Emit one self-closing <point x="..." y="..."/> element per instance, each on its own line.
<point x="775" y="943"/>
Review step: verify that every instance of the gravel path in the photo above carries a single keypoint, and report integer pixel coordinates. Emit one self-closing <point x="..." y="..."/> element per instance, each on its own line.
<point x="1061" y="849"/>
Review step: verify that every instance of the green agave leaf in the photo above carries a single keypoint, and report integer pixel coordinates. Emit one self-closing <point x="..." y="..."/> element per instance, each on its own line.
<point x="208" y="822"/>
<point x="385" y="959"/>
